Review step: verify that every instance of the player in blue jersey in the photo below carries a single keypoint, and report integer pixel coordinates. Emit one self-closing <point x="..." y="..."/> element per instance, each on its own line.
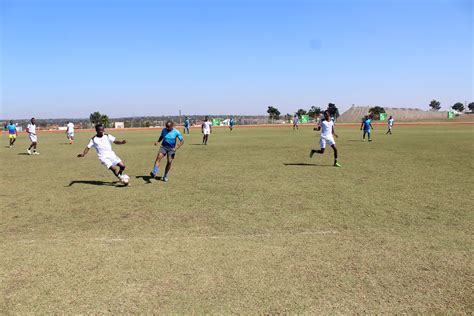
<point x="231" y="124"/>
<point x="12" y="133"/>
<point x="168" y="148"/>
<point x="186" y="125"/>
<point x="367" y="126"/>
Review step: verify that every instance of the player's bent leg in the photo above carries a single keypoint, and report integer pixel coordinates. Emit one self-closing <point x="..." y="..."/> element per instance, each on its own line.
<point x="156" y="166"/>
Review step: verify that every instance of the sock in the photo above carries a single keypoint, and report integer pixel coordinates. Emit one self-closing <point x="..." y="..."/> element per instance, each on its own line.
<point x="166" y="174"/>
<point x="155" y="169"/>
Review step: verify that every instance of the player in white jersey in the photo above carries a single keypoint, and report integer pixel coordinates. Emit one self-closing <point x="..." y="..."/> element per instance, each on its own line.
<point x="103" y="145"/>
<point x="206" y="129"/>
<point x="31" y="130"/>
<point x="327" y="137"/>
<point x="389" y="125"/>
<point x="70" y="132"/>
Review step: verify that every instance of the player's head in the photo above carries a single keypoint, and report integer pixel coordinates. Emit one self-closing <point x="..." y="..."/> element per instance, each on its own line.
<point x="99" y="128"/>
<point x="67" y="122"/>
<point x="327" y="115"/>
<point x="11" y="122"/>
<point x="206" y="118"/>
<point x="390" y="117"/>
<point x="33" y="120"/>
<point x="169" y="125"/>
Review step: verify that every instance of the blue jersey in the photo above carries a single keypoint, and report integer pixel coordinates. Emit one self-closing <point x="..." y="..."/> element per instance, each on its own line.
<point x="231" y="122"/>
<point x="186" y="122"/>
<point x="367" y="124"/>
<point x="169" y="137"/>
<point x="11" y="128"/>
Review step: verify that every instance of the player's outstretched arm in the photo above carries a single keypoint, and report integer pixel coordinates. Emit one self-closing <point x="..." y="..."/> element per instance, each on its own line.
<point x="84" y="153"/>
<point x="120" y="142"/>
<point x="181" y="142"/>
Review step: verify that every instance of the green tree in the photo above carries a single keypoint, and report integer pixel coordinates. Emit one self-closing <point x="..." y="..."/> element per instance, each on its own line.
<point x="458" y="106"/>
<point x="314" y="111"/>
<point x="333" y="110"/>
<point x="95" y="118"/>
<point x="435" y="105"/>
<point x="470" y="106"/>
<point x="273" y="113"/>
<point x="375" y="112"/>
<point x="301" y="112"/>
<point x="104" y="119"/>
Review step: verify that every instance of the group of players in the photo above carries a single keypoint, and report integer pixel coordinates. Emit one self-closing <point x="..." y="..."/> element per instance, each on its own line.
<point x="171" y="140"/>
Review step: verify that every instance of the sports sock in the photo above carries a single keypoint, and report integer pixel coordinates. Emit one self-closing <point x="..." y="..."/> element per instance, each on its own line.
<point x="166" y="174"/>
<point x="155" y="169"/>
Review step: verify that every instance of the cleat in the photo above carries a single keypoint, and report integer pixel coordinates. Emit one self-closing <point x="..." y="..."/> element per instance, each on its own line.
<point x="28" y="151"/>
<point x="36" y="153"/>
<point x="312" y="153"/>
<point x="370" y="140"/>
<point x="363" y="140"/>
<point x="152" y="175"/>
<point x="165" y="179"/>
<point x="336" y="164"/>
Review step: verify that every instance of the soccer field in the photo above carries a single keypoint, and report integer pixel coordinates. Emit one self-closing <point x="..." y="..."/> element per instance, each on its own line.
<point x="247" y="224"/>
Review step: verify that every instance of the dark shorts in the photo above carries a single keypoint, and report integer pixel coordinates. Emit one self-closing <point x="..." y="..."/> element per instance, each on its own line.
<point x="168" y="151"/>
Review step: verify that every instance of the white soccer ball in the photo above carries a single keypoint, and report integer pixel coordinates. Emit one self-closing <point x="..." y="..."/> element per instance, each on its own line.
<point x="125" y="179"/>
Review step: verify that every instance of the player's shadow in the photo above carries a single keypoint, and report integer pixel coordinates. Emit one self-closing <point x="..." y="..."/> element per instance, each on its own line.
<point x="355" y="140"/>
<point x="92" y="182"/>
<point x="147" y="179"/>
<point x="23" y="154"/>
<point x="304" y="164"/>
<point x="197" y="144"/>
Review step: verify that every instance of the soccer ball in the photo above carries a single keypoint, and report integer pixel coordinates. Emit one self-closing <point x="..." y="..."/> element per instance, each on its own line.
<point x="125" y="179"/>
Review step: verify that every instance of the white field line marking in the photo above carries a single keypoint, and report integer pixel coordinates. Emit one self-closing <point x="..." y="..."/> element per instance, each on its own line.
<point x="210" y="237"/>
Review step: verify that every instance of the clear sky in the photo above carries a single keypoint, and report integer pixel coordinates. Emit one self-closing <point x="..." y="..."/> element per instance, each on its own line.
<point x="68" y="58"/>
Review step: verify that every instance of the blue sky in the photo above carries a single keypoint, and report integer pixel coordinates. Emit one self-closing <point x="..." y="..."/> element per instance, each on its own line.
<point x="68" y="58"/>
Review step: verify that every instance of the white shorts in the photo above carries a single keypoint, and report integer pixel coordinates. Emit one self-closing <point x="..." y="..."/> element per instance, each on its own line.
<point x="110" y="161"/>
<point x="69" y="135"/>
<point x="207" y="132"/>
<point x="329" y="140"/>
<point x="33" y="138"/>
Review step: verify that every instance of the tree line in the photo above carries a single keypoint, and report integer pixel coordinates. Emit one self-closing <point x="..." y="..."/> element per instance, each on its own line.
<point x="435" y="105"/>
<point x="312" y="112"/>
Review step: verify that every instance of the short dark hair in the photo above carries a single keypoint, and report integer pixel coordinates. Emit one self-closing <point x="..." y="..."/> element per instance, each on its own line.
<point x="169" y="123"/>
<point x="97" y="126"/>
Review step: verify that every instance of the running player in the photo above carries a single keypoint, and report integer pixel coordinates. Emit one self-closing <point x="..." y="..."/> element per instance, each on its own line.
<point x="168" y="148"/>
<point x="103" y="145"/>
<point x="31" y="130"/>
<point x="186" y="125"/>
<point x="231" y="124"/>
<point x="367" y="126"/>
<point x="206" y="129"/>
<point x="296" y="120"/>
<point x="327" y="137"/>
<point x="70" y="132"/>
<point x="12" y="133"/>
<point x="389" y="125"/>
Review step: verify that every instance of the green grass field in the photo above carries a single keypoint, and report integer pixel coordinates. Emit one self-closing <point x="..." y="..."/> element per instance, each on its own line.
<point x="243" y="226"/>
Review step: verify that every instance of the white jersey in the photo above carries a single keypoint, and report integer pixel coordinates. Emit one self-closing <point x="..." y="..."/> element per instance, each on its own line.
<point x="31" y="129"/>
<point x="103" y="146"/>
<point x="70" y="128"/>
<point x="390" y="122"/>
<point x="206" y="127"/>
<point x="326" y="129"/>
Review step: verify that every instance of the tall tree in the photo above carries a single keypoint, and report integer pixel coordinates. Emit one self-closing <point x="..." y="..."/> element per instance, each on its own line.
<point x="95" y="118"/>
<point x="470" y="106"/>
<point x="333" y="110"/>
<point x="314" y="111"/>
<point x="435" y="105"/>
<point x="458" y="106"/>
<point x="273" y="113"/>
<point x="104" y="119"/>
<point x="375" y="112"/>
<point x="301" y="112"/>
